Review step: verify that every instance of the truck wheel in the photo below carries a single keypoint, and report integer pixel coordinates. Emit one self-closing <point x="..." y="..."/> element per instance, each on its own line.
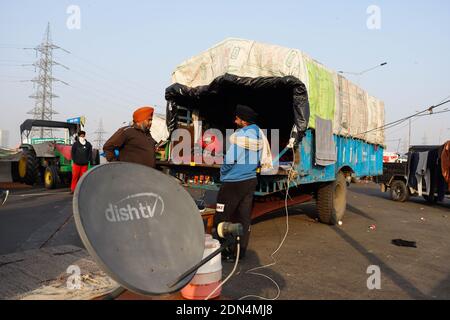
<point x="28" y="167"/>
<point x="399" y="191"/>
<point x="332" y="200"/>
<point x="51" y="177"/>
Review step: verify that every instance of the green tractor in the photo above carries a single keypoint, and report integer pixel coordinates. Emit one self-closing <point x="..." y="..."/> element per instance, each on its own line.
<point x="48" y="160"/>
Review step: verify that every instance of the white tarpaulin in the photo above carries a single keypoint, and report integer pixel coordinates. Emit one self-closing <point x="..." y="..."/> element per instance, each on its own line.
<point x="331" y="96"/>
<point x="159" y="128"/>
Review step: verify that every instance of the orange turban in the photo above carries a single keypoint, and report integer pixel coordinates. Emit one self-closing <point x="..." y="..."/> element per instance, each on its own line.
<point x="142" y="114"/>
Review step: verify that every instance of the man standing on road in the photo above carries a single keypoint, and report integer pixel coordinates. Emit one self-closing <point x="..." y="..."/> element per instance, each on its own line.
<point x="81" y="156"/>
<point x="238" y="177"/>
<point x="134" y="143"/>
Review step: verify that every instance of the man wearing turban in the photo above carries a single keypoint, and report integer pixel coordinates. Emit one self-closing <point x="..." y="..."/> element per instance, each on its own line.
<point x="133" y="143"/>
<point x="238" y="176"/>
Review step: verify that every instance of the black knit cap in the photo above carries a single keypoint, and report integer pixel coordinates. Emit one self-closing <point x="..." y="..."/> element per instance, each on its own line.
<point x="246" y="113"/>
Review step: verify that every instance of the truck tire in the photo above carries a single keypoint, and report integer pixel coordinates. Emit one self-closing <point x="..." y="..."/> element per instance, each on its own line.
<point x="332" y="200"/>
<point x="51" y="178"/>
<point x="28" y="167"/>
<point x="399" y="191"/>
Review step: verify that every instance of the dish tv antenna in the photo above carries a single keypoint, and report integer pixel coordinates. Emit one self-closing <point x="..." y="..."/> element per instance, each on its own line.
<point x="143" y="228"/>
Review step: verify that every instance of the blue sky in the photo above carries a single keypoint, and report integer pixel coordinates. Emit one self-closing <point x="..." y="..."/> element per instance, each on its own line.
<point x="124" y="53"/>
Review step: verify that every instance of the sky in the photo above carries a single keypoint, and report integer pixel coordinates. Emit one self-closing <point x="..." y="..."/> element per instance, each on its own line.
<point x="124" y="52"/>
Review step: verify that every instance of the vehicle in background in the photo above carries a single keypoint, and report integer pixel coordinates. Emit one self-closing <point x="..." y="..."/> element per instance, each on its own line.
<point x="48" y="159"/>
<point x="402" y="159"/>
<point x="390" y="157"/>
<point x="395" y="179"/>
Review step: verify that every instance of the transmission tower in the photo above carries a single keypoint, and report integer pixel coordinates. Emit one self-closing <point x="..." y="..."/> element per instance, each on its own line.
<point x="43" y="106"/>
<point x="100" y="138"/>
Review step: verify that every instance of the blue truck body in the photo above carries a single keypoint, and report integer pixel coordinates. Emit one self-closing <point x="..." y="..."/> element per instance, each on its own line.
<point x="354" y="156"/>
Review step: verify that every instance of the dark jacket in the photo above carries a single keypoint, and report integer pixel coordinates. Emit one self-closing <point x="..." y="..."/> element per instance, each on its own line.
<point x="81" y="155"/>
<point x="134" y="145"/>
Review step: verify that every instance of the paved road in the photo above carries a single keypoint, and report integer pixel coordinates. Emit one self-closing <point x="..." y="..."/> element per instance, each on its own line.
<point x="37" y="218"/>
<point x="315" y="262"/>
<point x="323" y="262"/>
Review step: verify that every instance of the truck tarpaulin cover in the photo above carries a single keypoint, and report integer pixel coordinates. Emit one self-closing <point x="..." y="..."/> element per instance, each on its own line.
<point x="275" y="99"/>
<point x="353" y="111"/>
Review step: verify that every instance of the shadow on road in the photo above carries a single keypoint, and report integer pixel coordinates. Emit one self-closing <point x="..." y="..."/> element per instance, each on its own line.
<point x="442" y="290"/>
<point x="359" y="212"/>
<point x="249" y="284"/>
<point x="398" y="279"/>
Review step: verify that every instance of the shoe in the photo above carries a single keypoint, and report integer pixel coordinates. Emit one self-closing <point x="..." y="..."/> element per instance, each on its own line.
<point x="4" y="196"/>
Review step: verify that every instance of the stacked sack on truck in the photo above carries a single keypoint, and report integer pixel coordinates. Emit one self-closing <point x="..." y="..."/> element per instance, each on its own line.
<point x="331" y="97"/>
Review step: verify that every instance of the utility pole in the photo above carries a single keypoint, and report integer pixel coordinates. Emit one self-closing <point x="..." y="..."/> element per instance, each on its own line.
<point x="409" y="134"/>
<point x="425" y="139"/>
<point x="43" y="106"/>
<point x="405" y="146"/>
<point x="100" y="138"/>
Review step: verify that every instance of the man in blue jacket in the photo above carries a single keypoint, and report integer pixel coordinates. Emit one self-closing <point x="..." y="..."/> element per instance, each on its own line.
<point x="238" y="177"/>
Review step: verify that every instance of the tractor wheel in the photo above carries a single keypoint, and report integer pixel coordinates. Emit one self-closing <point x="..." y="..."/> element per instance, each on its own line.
<point x="332" y="200"/>
<point x="28" y="167"/>
<point x="51" y="177"/>
<point x="15" y="171"/>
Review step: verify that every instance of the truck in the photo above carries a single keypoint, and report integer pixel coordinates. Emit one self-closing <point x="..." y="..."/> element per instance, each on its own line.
<point x="396" y="178"/>
<point x="306" y="104"/>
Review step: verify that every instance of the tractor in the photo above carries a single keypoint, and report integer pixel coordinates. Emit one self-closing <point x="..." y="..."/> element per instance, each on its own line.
<point x="48" y="160"/>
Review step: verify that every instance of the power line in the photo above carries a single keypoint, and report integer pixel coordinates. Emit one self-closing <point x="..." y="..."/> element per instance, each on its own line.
<point x="398" y="122"/>
<point x="118" y="90"/>
<point x="364" y="71"/>
<point x="119" y="78"/>
<point x="113" y="91"/>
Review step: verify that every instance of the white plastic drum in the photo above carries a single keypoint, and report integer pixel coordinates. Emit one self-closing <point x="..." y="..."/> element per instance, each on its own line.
<point x="211" y="271"/>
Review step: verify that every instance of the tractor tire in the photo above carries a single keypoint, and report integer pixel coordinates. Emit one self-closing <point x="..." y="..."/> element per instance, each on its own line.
<point x="51" y="177"/>
<point x="28" y="167"/>
<point x="399" y="191"/>
<point x="332" y="200"/>
<point x="15" y="171"/>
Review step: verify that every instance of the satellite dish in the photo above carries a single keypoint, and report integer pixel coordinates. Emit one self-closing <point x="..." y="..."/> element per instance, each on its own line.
<point x="141" y="227"/>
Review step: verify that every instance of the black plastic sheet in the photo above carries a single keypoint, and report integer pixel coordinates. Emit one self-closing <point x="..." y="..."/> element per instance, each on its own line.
<point x="281" y="102"/>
